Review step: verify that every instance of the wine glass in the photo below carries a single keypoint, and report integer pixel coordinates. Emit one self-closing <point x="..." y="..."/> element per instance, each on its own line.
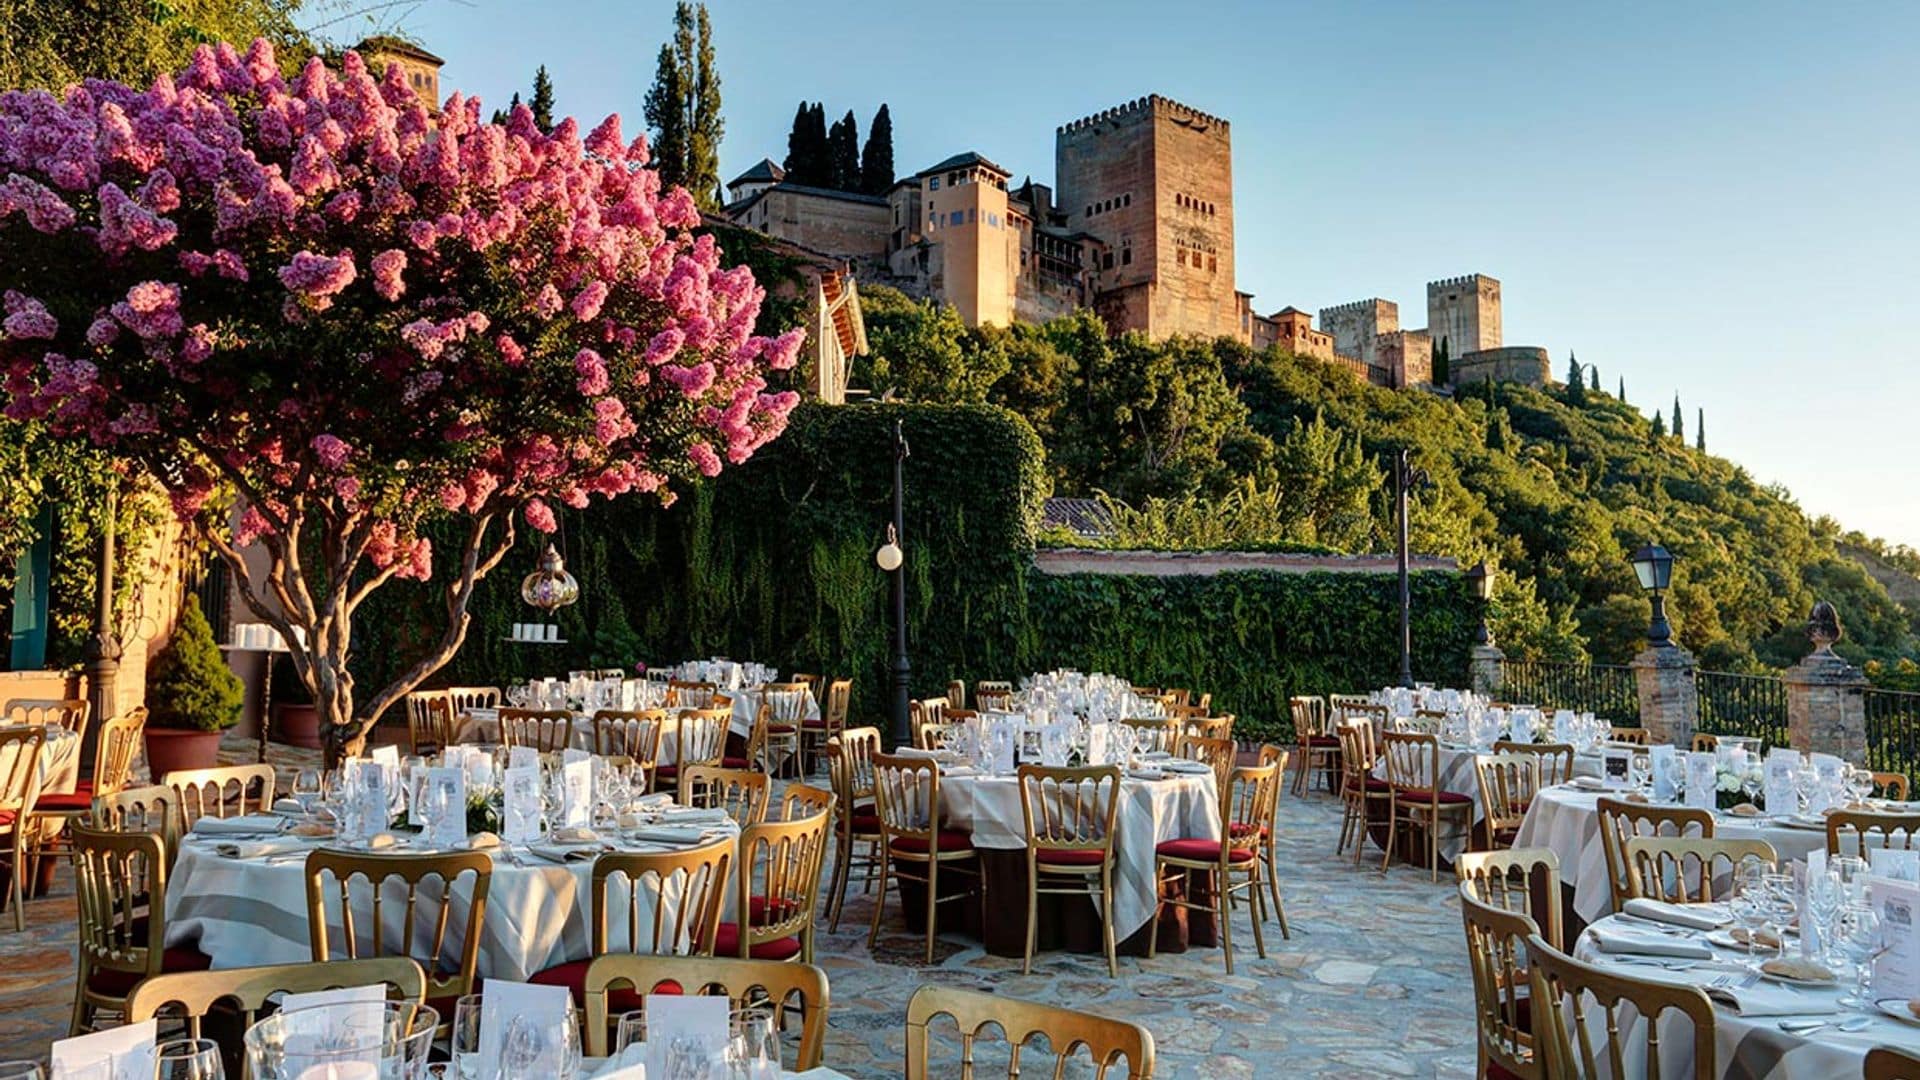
<point x="463" y="1042"/>
<point x="1860" y="785"/>
<point x="1751" y="781"/>
<point x="1825" y="898"/>
<point x="631" y="1032"/>
<point x="306" y="790"/>
<point x="1642" y="771"/>
<point x="754" y="1051"/>
<point x="188" y="1059"/>
<point x="1804" y="779"/>
<point x="1858" y="940"/>
<point x="1750" y="908"/>
<point x="1783" y="903"/>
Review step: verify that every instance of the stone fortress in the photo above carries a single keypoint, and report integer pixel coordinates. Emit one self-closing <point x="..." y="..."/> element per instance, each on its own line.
<point x="1140" y="229"/>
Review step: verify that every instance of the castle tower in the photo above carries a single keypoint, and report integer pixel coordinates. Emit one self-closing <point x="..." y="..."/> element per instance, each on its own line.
<point x="1464" y="313"/>
<point x="1152" y="180"/>
<point x="1356" y="327"/>
<point x="978" y="249"/>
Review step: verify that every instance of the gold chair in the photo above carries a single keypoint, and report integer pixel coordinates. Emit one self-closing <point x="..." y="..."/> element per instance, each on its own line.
<point x="906" y="795"/>
<point x="1246" y="800"/>
<point x="1067" y="1031"/>
<point x="1496" y="943"/>
<point x="699" y="738"/>
<point x="548" y="731"/>
<point x="1360" y="790"/>
<point x="121" y="936"/>
<point x="1155" y="733"/>
<point x="1868" y="828"/>
<point x="1555" y="760"/>
<point x="1177" y="697"/>
<point x="1561" y="988"/>
<point x="957" y="693"/>
<point x="742" y="793"/>
<point x="222" y="791"/>
<point x="1217" y="753"/>
<point x="810" y="681"/>
<point x="449" y="954"/>
<point x="805" y="800"/>
<point x="746" y="982"/>
<point x="814" y="734"/>
<point x="117" y="743"/>
<point x="1680" y="869"/>
<point x="1418" y="724"/>
<point x="684" y="892"/>
<point x="634" y="735"/>
<point x="1069" y="814"/>
<point x="936" y="736"/>
<point x="1508" y="783"/>
<point x="1634" y="736"/>
<point x="857" y="835"/>
<point x="20" y="769"/>
<point x="923" y="712"/>
<point x="430" y="721"/>
<point x="1886" y="1063"/>
<point x="688" y="694"/>
<point x="777" y="890"/>
<point x="1891" y="785"/>
<point x="191" y="995"/>
<point x="1413" y="770"/>
<point x="1316" y="746"/>
<point x="1267" y="827"/>
<point x="991" y="696"/>
<point x="1356" y="707"/>
<point x="152" y="809"/>
<point x="1526" y="880"/>
<point x="1704" y="743"/>
<point x="784" y="706"/>
<point x="1205" y="727"/>
<point x="463" y="699"/>
<point x="69" y="713"/>
<point x="1621" y="820"/>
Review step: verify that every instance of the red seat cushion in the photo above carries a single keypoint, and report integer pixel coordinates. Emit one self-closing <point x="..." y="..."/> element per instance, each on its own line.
<point x="735" y="763"/>
<point x="64" y="802"/>
<point x="666" y="770"/>
<point x="1422" y="795"/>
<point x="818" y="723"/>
<point x="121" y="983"/>
<point x="573" y="976"/>
<point x="1318" y="741"/>
<point x="763" y="911"/>
<point x="727" y="943"/>
<point x="866" y="823"/>
<point x="1376" y="784"/>
<point x="1069" y="857"/>
<point x="781" y="729"/>
<point x="1200" y="851"/>
<point x="950" y="840"/>
<point x="1246" y="828"/>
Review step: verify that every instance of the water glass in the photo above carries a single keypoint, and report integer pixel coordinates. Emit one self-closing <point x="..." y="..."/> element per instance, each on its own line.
<point x="1641" y="768"/>
<point x="188" y="1059"/>
<point x="631" y="1032"/>
<point x="1860" y="785"/>
<point x="753" y="1053"/>
<point x="306" y="790"/>
<point x="1858" y="940"/>
<point x="463" y="1042"/>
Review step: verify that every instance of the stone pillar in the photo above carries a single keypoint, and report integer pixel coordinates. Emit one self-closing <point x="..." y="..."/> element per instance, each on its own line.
<point x="1669" y="701"/>
<point x="1826" y="706"/>
<point x="1486" y="671"/>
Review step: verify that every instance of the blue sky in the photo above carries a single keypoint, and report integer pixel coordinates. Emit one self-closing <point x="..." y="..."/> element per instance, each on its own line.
<point x="1714" y="199"/>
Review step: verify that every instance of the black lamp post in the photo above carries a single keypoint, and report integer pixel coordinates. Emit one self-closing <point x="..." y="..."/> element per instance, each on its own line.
<point x="1653" y="565"/>
<point x="1480" y="580"/>
<point x="891" y="559"/>
<point x="1405" y="478"/>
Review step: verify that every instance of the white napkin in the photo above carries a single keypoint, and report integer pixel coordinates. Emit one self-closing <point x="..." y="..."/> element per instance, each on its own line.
<point x="669" y="834"/>
<point x="1622" y="941"/>
<point x="1692" y="916"/>
<point x="566" y="853"/>
<point x="655" y="801"/>
<point x="244" y="825"/>
<point x="1767" y="999"/>
<point x="259" y="849"/>
<point x="1182" y="765"/>
<point x="287" y="806"/>
<point x="693" y="815"/>
<point x="1589" y="783"/>
<point x="1146" y="774"/>
<point x="914" y="752"/>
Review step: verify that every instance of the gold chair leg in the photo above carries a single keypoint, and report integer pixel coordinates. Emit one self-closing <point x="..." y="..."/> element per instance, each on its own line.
<point x="1159" y="905"/>
<point x="1106" y="918"/>
<point x="880" y="902"/>
<point x="1223" y="914"/>
<point x="933" y="903"/>
<point x="1393" y="831"/>
<point x="1033" y="916"/>
<point x="1256" y="909"/>
<point x="841" y="868"/>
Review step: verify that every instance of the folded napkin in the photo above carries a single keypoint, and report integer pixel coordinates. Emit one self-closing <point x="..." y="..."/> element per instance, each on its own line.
<point x="914" y="752"/>
<point x="654" y="801"/>
<point x="1626" y="942"/>
<point x="287" y="806"/>
<point x="1155" y="755"/>
<point x="950" y="771"/>
<point x="1182" y="765"/>
<point x="693" y="815"/>
<point x="244" y="825"/>
<point x="1146" y="774"/>
<point x="1692" y="916"/>
<point x="1767" y="999"/>
<point x="482" y="841"/>
<point x="566" y="853"/>
<point x="1589" y="783"/>
<point x="669" y="834"/>
<point x="258" y="849"/>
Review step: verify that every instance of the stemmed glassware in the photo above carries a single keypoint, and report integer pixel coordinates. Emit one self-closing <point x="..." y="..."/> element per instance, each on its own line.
<point x="188" y="1059"/>
<point x="306" y="790"/>
<point x="1752" y="780"/>
<point x="1858" y="940"/>
<point x="1641" y="769"/>
<point x="1859" y="785"/>
<point x="1750" y="907"/>
<point x="753" y="1053"/>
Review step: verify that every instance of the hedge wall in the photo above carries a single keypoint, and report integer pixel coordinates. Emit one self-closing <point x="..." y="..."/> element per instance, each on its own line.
<point x="773" y="561"/>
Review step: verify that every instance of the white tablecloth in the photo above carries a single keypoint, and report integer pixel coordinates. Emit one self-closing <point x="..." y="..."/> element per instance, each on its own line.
<point x="1568" y="821"/>
<point x="59" y="767"/>
<point x="244" y="912"/>
<point x="1748" y="1048"/>
<point x="1151" y="811"/>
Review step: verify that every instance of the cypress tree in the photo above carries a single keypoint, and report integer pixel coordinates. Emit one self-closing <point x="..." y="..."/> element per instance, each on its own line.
<point x="1442" y="365"/>
<point x="1659" y="425"/>
<point x="843" y="144"/>
<point x="1576" y="382"/>
<point x="1679" y="429"/>
<point x="819" y="151"/>
<point x="1623" y="389"/>
<point x="705" y="126"/>
<point x="1595" y="372"/>
<point x="1700" y="430"/>
<point x="190" y="685"/>
<point x="876" y="159"/>
<point x="542" y="103"/>
<point x="666" y="114"/>
<point x="796" y="162"/>
<point x="500" y="116"/>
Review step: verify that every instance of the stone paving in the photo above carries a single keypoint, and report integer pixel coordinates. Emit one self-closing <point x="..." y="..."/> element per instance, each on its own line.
<point x="1373" y="984"/>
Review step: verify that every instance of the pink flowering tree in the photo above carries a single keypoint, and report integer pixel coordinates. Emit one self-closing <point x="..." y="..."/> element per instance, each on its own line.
<point x="322" y="316"/>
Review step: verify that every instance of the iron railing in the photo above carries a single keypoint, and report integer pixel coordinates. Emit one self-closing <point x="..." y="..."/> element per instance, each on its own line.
<point x="1893" y="730"/>
<point x="1605" y="690"/>
<point x="1732" y="704"/>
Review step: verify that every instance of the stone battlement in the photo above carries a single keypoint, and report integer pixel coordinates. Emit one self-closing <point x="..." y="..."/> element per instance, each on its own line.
<point x="1458" y="282"/>
<point x="1152" y="103"/>
<point x="1371" y="303"/>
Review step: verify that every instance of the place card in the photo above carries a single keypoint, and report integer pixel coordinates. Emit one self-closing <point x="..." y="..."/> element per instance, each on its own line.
<point x="118" y="1053"/>
<point x="1616" y="766"/>
<point x="372" y="805"/>
<point x="1899" y="864"/>
<point x="1520" y="725"/>
<point x="1563" y="723"/>
<point x="505" y="1004"/>
<point x="1666" y="768"/>
<point x="1778" y="782"/>
<point x="1098" y="752"/>
<point x="576" y="792"/>
<point x="1832" y="774"/>
<point x="1703" y="780"/>
<point x="1896" y="973"/>
<point x="446" y="791"/>
<point x="523" y="757"/>
<point x="680" y="1024"/>
<point x="520" y="806"/>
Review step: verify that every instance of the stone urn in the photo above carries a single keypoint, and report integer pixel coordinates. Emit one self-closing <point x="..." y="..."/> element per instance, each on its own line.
<point x="171" y="749"/>
<point x="297" y="725"/>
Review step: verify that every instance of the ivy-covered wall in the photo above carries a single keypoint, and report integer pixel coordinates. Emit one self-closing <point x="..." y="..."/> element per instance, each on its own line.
<point x="773" y="561"/>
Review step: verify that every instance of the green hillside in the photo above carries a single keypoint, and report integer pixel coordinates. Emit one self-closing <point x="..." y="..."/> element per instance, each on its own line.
<point x="1556" y="486"/>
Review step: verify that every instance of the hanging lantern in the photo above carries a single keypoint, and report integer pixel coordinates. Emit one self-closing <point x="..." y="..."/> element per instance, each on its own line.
<point x="550" y="587"/>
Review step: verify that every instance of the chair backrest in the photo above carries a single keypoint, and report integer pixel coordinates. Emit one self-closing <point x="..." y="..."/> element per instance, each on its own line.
<point x="1852" y="832"/>
<point x="191" y="995"/>
<point x="1248" y="802"/>
<point x="1526" y="880"/>
<point x="634" y="735"/>
<point x="1891" y="785"/>
<point x="1067" y="1031"/>
<point x="430" y="715"/>
<point x="687" y="694"/>
<point x="115" y="874"/>
<point x="936" y="736"/>
<point x="20" y="770"/>
<point x="1356" y="707"/>
<point x="1634" y="735"/>
<point x="700" y="736"/>
<point x="1419" y="723"/>
<point x="549" y="731"/>
<point x="1496" y="952"/>
<point x="152" y="809"/>
<point x="785" y="704"/>
<point x="1155" y="733"/>
<point x="906" y="797"/>
<point x="1555" y="760"/>
<point x="782" y="983"/>
<point x="1206" y="727"/>
<point x="1070" y="809"/>
<point x="810" y="681"/>
<point x="69" y="713"/>
<point x="1359" y="752"/>
<point x="833" y="711"/>
<point x="1565" y="993"/>
<point x="672" y="899"/>
<point x="857" y="747"/>
<point x="118" y="744"/>
<point x="957" y="693"/>
<point x="1682" y="869"/>
<point x="1219" y="753"/>
<point x="742" y="793"/>
<point x="1413" y="760"/>
<point x="1620" y="819"/>
<point x="368" y="924"/>
<point x="463" y="698"/>
<point x="804" y="800"/>
<point x="992" y="695"/>
<point x="777" y="890"/>
<point x="1508" y="783"/>
<point x="925" y="711"/>
<point x="1704" y="743"/>
<point x="222" y="791"/>
<point x="1887" y="1063"/>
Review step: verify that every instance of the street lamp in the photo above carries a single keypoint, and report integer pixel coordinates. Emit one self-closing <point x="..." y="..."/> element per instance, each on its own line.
<point x="1480" y="580"/>
<point x="1405" y="478"/>
<point x="890" y="559"/>
<point x="1653" y="565"/>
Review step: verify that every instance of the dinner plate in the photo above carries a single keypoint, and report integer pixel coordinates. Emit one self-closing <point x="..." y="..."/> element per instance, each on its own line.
<point x="1726" y="940"/>
<point x="1897" y="1009"/>
<point x="1810" y="984"/>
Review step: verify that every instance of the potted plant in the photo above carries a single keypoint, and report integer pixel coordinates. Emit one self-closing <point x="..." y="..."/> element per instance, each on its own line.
<point x="295" y="721"/>
<point x="192" y="696"/>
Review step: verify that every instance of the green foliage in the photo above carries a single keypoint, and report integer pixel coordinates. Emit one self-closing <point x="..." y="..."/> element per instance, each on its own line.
<point x="542" y="104"/>
<point x="809" y="158"/>
<point x="1576" y="382"/>
<point x="1679" y="423"/>
<point x="50" y="44"/>
<point x="1327" y="486"/>
<point x="876" y="159"/>
<point x="1247" y="518"/>
<point x="923" y="352"/>
<point x="190" y="685"/>
<point x="682" y="108"/>
<point x="843" y="144"/>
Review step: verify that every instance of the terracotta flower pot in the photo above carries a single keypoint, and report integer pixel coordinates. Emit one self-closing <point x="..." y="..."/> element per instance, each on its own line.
<point x="297" y="725"/>
<point x="170" y="749"/>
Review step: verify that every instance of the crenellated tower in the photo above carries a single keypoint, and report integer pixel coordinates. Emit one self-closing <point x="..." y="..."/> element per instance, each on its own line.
<point x="1463" y="313"/>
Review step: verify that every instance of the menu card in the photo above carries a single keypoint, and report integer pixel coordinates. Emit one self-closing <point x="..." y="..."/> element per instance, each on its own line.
<point x="1896" y="972"/>
<point x="447" y="792"/>
<point x="118" y="1053"/>
<point x="1520" y="725"/>
<point x="1055" y="742"/>
<point x="1666" y="766"/>
<point x="371" y="803"/>
<point x="1900" y="864"/>
<point x="1097" y="745"/>
<point x="523" y="757"/>
<point x="680" y="1027"/>
<point x="1832" y="773"/>
<point x="1804" y="876"/>
<point x="1616" y="766"/>
<point x="1703" y="779"/>
<point x="520" y="807"/>
<point x="576" y="792"/>
<point x="1778" y="775"/>
<point x="1563" y="721"/>
<point x="506" y="1004"/>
